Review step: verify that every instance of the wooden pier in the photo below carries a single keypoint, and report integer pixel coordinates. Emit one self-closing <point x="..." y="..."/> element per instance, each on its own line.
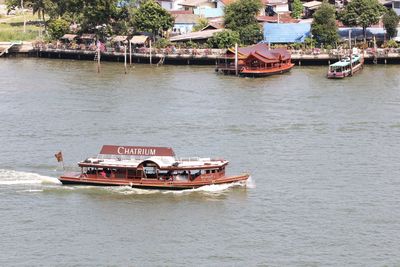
<point x="212" y="57"/>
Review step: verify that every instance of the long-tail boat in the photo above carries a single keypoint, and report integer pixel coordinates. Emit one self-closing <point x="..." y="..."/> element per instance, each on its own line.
<point x="150" y="168"/>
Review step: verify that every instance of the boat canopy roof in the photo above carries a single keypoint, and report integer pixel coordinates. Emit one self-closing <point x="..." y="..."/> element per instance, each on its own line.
<point x="136" y="156"/>
<point x="341" y="64"/>
<point x="345" y="62"/>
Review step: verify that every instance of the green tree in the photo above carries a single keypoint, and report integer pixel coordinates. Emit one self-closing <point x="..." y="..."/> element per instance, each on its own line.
<point x="390" y="22"/>
<point x="250" y="34"/>
<point x="201" y="23"/>
<point x="297" y="9"/>
<point x="240" y="16"/>
<point x="57" y="28"/>
<point x="324" y="27"/>
<point x="224" y="39"/>
<point x="151" y="17"/>
<point x="97" y="15"/>
<point x="362" y="13"/>
<point x="41" y="7"/>
<point x="123" y="21"/>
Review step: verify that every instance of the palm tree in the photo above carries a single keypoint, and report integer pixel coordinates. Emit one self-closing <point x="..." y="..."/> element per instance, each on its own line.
<point x="39" y="7"/>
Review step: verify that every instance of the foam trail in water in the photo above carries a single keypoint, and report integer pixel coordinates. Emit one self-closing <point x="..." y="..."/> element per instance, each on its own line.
<point x="11" y="177"/>
<point x="127" y="190"/>
<point x="213" y="188"/>
<point x="250" y="183"/>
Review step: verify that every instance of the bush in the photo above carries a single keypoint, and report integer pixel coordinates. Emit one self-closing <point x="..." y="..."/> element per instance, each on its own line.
<point x="162" y="43"/>
<point x="392" y="44"/>
<point x="296" y="46"/>
<point x="57" y="28"/>
<point x="191" y="44"/>
<point x="309" y="42"/>
<point x="224" y="39"/>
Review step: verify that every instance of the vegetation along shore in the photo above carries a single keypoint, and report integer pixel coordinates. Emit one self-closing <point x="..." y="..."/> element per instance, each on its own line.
<point x="198" y="32"/>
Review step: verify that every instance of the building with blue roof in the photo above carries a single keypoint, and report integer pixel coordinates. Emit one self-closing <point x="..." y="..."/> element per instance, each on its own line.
<point x="284" y="33"/>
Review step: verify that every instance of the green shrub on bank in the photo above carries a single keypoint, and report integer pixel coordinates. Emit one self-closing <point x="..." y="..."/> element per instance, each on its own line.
<point x="57" y="28"/>
<point x="162" y="43"/>
<point x="224" y="39"/>
<point x="392" y="44"/>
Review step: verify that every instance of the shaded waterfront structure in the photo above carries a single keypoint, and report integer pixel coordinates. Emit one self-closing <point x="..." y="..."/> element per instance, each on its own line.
<point x="68" y="38"/>
<point x="198" y="37"/>
<point x="118" y="42"/>
<point x="140" y="41"/>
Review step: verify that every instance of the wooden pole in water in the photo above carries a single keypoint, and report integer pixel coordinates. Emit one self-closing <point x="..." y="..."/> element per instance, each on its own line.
<point x="351" y="63"/>
<point x="130" y="52"/>
<point x="125" y="57"/>
<point x="98" y="59"/>
<point x="150" y="51"/>
<point x="236" y="60"/>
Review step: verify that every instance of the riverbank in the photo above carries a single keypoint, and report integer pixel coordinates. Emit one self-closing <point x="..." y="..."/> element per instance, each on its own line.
<point x="187" y="56"/>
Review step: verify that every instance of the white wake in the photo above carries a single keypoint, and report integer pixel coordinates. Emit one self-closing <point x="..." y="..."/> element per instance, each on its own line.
<point x="11" y="177"/>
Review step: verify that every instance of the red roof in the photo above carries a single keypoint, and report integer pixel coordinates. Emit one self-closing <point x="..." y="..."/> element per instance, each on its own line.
<point x="283" y="18"/>
<point x="227" y="2"/>
<point x="262" y="50"/>
<point x="176" y="12"/>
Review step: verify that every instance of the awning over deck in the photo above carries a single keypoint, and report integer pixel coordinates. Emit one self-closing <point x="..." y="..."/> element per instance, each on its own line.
<point x="69" y="37"/>
<point x="201" y="35"/>
<point x="119" y="38"/>
<point x="139" y="39"/>
<point x="88" y="36"/>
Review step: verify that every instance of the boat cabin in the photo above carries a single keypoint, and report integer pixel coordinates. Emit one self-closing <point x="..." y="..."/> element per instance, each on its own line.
<point x="146" y="163"/>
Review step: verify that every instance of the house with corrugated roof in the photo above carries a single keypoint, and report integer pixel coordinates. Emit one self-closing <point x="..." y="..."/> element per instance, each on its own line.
<point x="184" y="23"/>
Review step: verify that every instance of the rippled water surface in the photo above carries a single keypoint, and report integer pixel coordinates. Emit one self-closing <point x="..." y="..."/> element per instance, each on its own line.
<point x="323" y="154"/>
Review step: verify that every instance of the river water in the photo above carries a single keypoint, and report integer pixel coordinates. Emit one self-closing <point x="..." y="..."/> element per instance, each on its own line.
<point x="323" y="155"/>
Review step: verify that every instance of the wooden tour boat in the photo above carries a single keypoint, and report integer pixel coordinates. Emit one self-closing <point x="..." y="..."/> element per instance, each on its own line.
<point x="149" y="168"/>
<point x="256" y="61"/>
<point x="345" y="67"/>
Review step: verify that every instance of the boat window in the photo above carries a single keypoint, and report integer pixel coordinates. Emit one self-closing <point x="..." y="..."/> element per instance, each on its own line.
<point x="151" y="172"/>
<point x="131" y="173"/>
<point x="196" y="173"/>
<point x="207" y="171"/>
<point x="182" y="176"/>
<point x="213" y="171"/>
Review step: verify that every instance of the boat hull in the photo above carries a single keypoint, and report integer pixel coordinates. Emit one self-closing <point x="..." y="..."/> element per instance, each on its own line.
<point x="151" y="183"/>
<point x="266" y="72"/>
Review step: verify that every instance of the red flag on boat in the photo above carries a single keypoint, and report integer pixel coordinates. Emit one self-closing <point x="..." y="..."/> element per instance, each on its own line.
<point x="59" y="156"/>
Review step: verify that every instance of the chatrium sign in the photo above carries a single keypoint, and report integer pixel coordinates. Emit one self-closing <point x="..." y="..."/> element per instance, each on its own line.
<point x="137" y="151"/>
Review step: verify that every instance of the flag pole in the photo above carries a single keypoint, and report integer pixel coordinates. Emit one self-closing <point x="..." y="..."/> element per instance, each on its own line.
<point x="60" y="158"/>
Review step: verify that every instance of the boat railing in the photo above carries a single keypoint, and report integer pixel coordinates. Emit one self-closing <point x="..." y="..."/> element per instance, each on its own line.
<point x="188" y="159"/>
<point x="122" y="157"/>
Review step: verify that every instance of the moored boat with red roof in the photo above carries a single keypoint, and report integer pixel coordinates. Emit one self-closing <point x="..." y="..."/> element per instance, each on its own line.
<point x="150" y="168"/>
<point x="256" y="61"/>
